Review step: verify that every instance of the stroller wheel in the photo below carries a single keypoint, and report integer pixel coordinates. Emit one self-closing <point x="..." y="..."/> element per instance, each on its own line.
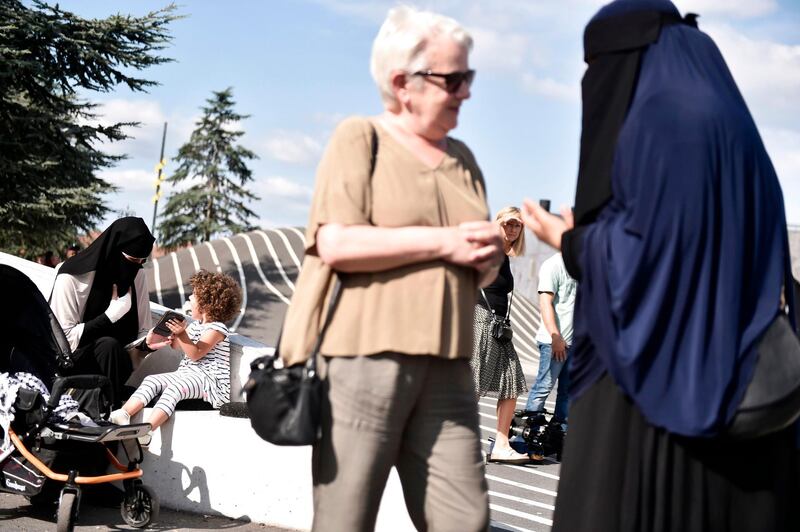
<point x="141" y="508"/>
<point x="67" y="511"/>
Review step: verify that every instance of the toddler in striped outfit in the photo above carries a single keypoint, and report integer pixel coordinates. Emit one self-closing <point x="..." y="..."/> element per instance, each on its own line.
<point x="204" y="371"/>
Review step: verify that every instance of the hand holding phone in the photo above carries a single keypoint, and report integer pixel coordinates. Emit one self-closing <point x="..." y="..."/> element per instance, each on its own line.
<point x="161" y="327"/>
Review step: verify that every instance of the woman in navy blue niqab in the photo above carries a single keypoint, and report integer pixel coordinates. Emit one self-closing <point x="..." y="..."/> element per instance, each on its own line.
<point x="681" y="252"/>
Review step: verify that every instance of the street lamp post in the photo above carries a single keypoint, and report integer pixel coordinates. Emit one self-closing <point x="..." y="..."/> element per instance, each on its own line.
<point x="159" y="178"/>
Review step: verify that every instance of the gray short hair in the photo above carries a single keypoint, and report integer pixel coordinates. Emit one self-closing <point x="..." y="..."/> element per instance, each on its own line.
<point x="401" y="43"/>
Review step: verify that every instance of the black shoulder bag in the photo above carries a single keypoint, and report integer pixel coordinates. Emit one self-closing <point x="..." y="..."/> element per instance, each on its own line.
<point x="500" y="328"/>
<point x="772" y="399"/>
<point x="285" y="402"/>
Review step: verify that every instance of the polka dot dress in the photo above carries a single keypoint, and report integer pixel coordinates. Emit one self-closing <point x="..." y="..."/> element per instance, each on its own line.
<point x="495" y="364"/>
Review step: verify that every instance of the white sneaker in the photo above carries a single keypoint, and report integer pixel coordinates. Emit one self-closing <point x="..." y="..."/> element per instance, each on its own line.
<point x="120" y="417"/>
<point x="508" y="456"/>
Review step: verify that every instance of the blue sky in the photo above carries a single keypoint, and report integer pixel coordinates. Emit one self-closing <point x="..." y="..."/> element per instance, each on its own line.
<point x="298" y="67"/>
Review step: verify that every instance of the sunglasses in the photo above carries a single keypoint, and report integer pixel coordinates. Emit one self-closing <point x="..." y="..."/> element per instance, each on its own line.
<point x="452" y="81"/>
<point x="135" y="260"/>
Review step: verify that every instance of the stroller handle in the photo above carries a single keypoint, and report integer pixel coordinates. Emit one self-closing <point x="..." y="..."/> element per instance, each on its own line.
<point x="81" y="382"/>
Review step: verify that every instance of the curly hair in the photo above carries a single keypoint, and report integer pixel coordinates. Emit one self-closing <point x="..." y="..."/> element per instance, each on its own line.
<point x="217" y="294"/>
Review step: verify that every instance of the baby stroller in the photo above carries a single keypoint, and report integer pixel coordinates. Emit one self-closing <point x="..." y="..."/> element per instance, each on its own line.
<point x="51" y="447"/>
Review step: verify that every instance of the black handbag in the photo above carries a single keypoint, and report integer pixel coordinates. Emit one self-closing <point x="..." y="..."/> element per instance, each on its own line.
<point x="500" y="328"/>
<point x="285" y="402"/>
<point x="772" y="399"/>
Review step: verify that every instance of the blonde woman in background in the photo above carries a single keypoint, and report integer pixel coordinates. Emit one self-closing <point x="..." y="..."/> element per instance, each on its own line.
<point x="495" y="364"/>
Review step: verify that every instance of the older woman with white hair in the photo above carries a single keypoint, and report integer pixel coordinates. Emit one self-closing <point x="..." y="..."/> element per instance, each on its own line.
<point x="400" y="213"/>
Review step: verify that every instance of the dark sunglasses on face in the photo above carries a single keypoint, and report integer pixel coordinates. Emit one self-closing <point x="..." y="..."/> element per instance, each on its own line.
<point x="452" y="81"/>
<point x="135" y="260"/>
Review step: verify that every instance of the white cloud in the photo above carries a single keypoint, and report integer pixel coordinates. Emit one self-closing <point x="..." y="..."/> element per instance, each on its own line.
<point x="768" y="73"/>
<point x="268" y="223"/>
<point x="136" y="191"/>
<point x="131" y="180"/>
<point x="120" y="110"/>
<point x="496" y="51"/>
<point x="277" y="188"/>
<point x="372" y="10"/>
<point x="292" y="147"/>
<point x="145" y="140"/>
<point x="783" y="146"/>
<point x="284" y="201"/>
<point x="735" y="8"/>
<point x="550" y="88"/>
<point x="328" y="119"/>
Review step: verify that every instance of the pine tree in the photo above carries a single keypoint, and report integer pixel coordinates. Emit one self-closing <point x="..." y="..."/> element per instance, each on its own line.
<point x="214" y="203"/>
<point x="49" y="149"/>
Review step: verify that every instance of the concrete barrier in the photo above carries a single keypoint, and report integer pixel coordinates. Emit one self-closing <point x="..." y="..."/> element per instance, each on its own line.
<point x="202" y="462"/>
<point x="205" y="463"/>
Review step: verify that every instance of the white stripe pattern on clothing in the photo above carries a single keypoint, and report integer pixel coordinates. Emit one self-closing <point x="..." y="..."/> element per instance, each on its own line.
<point x="185" y="383"/>
<point x="216" y="364"/>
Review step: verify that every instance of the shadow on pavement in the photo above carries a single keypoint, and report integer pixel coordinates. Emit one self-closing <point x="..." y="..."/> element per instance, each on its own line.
<point x="101" y="512"/>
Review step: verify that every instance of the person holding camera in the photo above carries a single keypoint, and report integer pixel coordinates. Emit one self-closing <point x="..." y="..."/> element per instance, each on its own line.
<point x="495" y="364"/>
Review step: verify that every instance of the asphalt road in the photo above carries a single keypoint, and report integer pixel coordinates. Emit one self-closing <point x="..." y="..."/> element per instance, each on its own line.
<point x="16" y="513"/>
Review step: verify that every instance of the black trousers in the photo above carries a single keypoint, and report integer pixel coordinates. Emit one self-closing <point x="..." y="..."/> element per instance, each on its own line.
<point x="106" y="356"/>
<point x="622" y="474"/>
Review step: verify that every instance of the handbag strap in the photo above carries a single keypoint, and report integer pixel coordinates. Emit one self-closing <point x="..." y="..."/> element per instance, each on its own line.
<point x="487" y="302"/>
<point x="508" y="310"/>
<point x="311" y="365"/>
<point x="788" y="286"/>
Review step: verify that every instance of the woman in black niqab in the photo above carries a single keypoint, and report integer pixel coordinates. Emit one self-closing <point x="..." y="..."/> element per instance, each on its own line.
<point x="681" y="254"/>
<point x="84" y="293"/>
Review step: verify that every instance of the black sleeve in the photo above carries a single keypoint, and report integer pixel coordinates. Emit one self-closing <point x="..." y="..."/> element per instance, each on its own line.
<point x="142" y="346"/>
<point x="571" y="246"/>
<point x="95" y="328"/>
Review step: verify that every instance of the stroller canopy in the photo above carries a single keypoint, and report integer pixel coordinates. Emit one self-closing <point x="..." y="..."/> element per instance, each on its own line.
<point x="33" y="340"/>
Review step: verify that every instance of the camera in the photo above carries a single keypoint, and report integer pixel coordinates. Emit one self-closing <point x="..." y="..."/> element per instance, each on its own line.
<point x="540" y="437"/>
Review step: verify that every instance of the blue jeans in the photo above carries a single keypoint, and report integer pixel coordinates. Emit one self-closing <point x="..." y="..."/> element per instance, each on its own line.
<point x="550" y="370"/>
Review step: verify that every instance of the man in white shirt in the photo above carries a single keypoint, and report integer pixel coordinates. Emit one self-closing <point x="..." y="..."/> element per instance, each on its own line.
<point x="557" y="304"/>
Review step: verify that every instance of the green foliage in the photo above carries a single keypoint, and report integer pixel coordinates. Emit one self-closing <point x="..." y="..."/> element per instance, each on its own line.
<point x="214" y="203"/>
<point x="49" y="149"/>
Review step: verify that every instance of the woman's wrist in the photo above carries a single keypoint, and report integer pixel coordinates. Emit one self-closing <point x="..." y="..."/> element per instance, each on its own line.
<point x="447" y="242"/>
<point x="144" y="345"/>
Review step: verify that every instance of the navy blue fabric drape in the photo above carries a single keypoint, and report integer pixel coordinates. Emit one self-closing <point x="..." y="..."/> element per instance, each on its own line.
<point x="683" y="267"/>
